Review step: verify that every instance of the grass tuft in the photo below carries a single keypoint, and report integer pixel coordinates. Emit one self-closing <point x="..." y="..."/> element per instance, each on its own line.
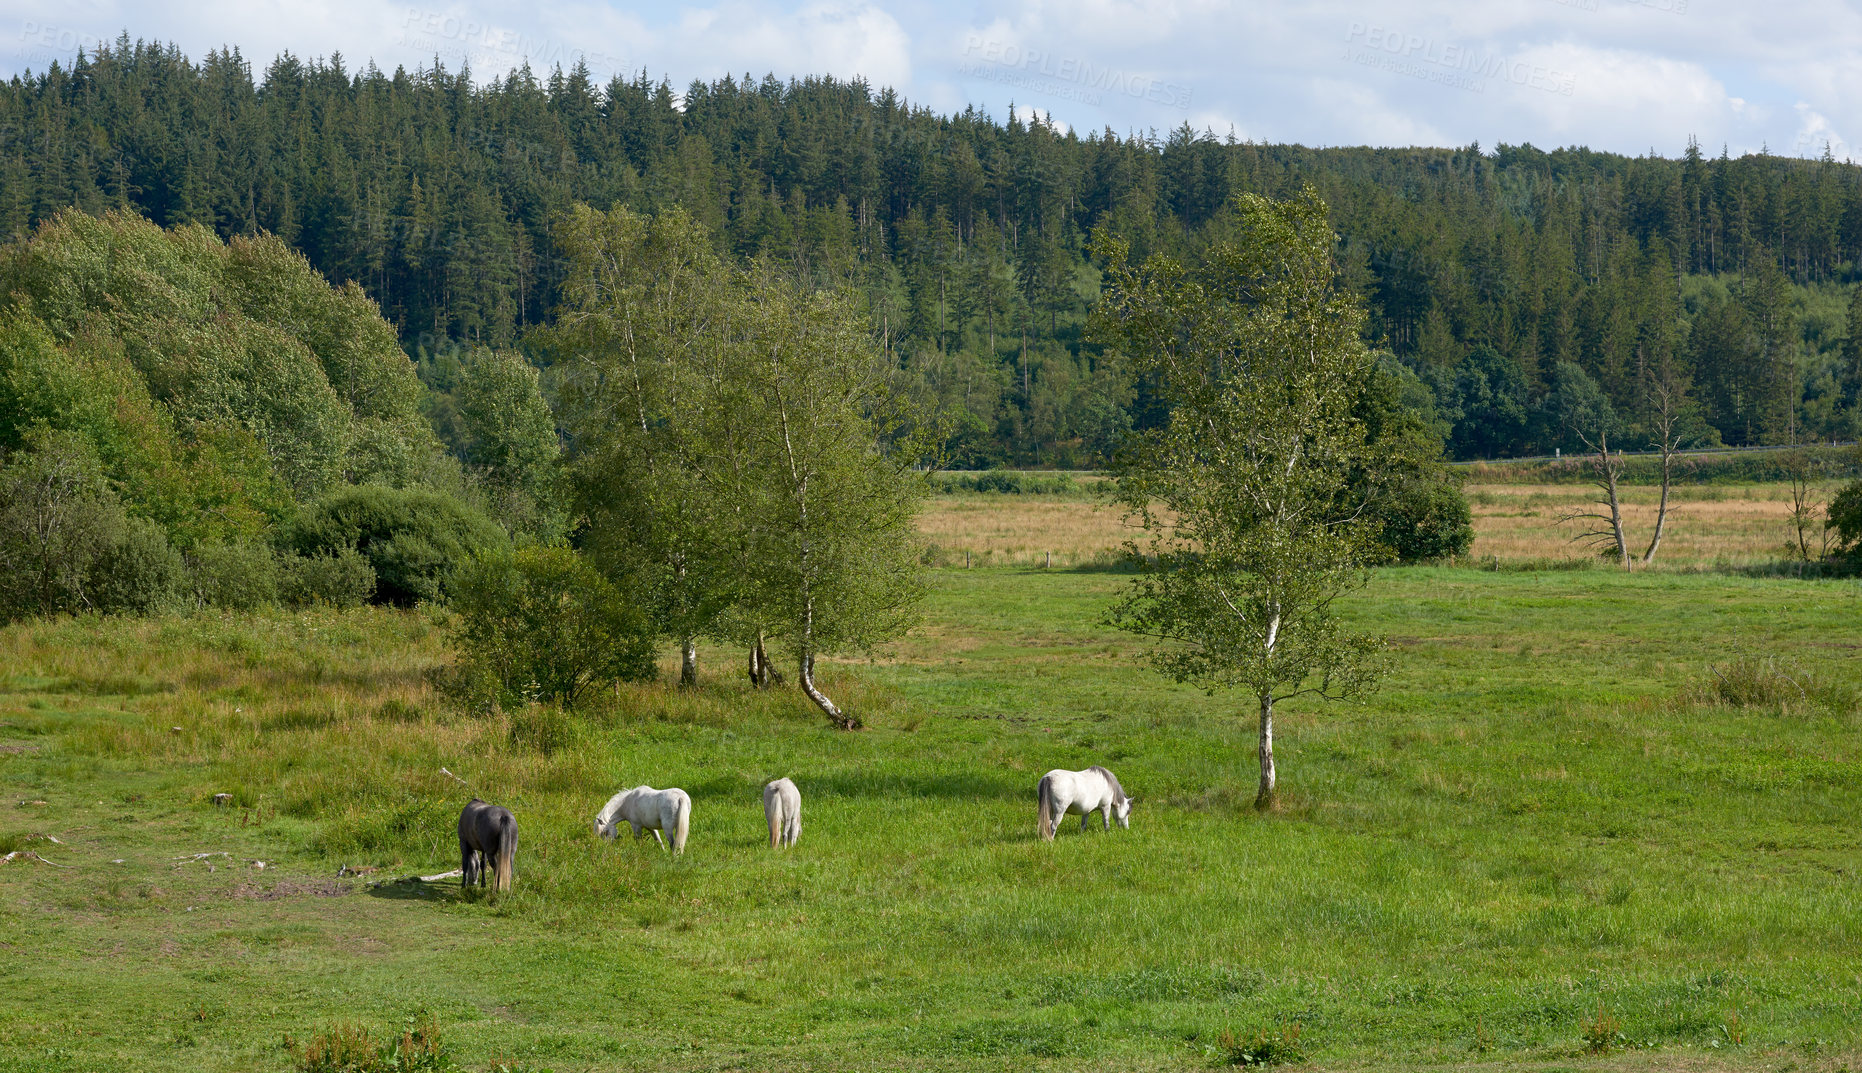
<point x="349" y="1048"/>
<point x="1602" y="1032"/>
<point x="1269" y="1045"/>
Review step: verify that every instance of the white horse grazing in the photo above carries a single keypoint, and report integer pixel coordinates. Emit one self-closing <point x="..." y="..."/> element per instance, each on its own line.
<point x="647" y="809"/>
<point x="1081" y="792"/>
<point x="782" y="806"/>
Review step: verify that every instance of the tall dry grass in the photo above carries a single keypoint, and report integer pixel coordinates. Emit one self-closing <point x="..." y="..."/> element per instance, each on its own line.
<point x="1708" y="526"/>
<point x="998" y="530"/>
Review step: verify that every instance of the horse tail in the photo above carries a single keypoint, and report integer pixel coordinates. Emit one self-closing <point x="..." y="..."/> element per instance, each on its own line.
<point x="507" y="851"/>
<point x="772" y="810"/>
<point x="1044" y="815"/>
<point x="684" y="821"/>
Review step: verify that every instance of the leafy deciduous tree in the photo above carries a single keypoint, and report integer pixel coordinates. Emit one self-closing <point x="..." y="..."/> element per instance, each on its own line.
<point x="1246" y="489"/>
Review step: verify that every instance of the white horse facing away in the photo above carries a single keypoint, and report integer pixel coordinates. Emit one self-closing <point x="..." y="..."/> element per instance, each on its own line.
<point x="647" y="809"/>
<point x="1082" y="793"/>
<point x="782" y="806"/>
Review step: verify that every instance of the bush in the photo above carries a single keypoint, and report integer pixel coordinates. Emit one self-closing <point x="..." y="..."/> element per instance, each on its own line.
<point x="545" y="625"/>
<point x="58" y="518"/>
<point x="340" y="579"/>
<point x="138" y="572"/>
<point x="1006" y="482"/>
<point x="1755" y="466"/>
<point x="1424" y="521"/>
<point x="1845" y="517"/>
<point x="235" y="575"/>
<point x="412" y="538"/>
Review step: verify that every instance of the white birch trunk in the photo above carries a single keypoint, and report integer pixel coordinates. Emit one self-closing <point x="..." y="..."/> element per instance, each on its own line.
<point x="835" y="715"/>
<point x="1264" y="797"/>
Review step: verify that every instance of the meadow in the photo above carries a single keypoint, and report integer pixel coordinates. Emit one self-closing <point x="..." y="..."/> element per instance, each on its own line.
<point x="1710" y="526"/>
<point x="1592" y="821"/>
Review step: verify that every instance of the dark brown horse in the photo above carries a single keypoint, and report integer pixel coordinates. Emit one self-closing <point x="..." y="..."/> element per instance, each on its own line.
<point x="487" y="838"/>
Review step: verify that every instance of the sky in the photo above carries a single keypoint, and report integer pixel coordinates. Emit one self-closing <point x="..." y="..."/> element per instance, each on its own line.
<point x="1628" y="76"/>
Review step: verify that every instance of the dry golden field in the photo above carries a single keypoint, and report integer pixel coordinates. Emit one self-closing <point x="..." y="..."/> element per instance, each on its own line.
<point x="1708" y="525"/>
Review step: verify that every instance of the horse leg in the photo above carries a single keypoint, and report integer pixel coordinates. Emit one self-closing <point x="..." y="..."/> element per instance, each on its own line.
<point x="465" y="864"/>
<point x="1105" y="817"/>
<point x="657" y="838"/>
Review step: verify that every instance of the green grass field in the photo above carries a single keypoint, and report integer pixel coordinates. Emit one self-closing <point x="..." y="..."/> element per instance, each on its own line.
<point x="1550" y="818"/>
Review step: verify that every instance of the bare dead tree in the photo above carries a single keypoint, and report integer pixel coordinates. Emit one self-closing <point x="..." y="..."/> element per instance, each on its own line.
<point x="1804" y="470"/>
<point x="1605" y="529"/>
<point x="1667" y="395"/>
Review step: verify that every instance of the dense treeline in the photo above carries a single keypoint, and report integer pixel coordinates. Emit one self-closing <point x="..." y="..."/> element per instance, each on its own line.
<point x="189" y="422"/>
<point x="1495" y="277"/>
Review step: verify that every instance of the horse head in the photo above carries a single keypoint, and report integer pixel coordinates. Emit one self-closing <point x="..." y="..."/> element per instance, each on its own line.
<point x="1123" y="811"/>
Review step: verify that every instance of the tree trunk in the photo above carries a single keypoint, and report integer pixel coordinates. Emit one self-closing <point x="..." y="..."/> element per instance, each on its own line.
<point x="688" y="663"/>
<point x="1616" y="519"/>
<point x="1264" y="799"/>
<point x="835" y="715"/>
<point x="763" y="673"/>
<point x="1606" y="481"/>
<point x="1661" y="512"/>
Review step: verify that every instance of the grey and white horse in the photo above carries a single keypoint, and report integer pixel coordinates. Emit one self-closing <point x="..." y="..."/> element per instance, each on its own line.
<point x="645" y="809"/>
<point x="487" y="839"/>
<point x="1082" y="793"/>
<point x="782" y="807"/>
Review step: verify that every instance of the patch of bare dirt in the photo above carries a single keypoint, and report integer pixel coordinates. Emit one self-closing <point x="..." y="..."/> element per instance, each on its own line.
<point x="292" y="888"/>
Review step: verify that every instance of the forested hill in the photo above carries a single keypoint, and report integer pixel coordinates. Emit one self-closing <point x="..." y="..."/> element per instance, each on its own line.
<point x="1505" y="279"/>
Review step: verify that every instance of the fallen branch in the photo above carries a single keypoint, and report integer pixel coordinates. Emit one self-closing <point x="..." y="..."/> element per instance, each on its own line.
<point x="454" y="874"/>
<point x="25" y="854"/>
<point x="200" y="856"/>
<point x="53" y="839"/>
<point x="460" y="781"/>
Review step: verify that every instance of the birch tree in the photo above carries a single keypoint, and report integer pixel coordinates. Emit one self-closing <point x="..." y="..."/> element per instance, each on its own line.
<point x="641" y="334"/>
<point x="830" y="493"/>
<point x="1253" y="492"/>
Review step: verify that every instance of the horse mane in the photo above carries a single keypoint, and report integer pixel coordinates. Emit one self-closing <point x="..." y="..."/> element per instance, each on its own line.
<point x="1118" y="791"/>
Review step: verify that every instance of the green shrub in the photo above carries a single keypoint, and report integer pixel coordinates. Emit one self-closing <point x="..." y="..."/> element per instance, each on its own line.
<point x="138" y="572"/>
<point x="58" y="518"/>
<point x="1006" y="482"/>
<point x="1425" y="521"/>
<point x="1756" y="466"/>
<point x="1845" y="517"/>
<point x="544" y="624"/>
<point x="413" y="539"/>
<point x="238" y="576"/>
<point x="342" y="578"/>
